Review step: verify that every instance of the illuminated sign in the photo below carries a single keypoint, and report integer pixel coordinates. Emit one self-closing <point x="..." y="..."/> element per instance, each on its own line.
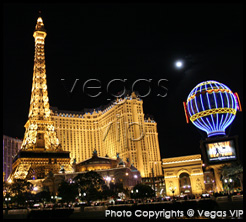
<point x="221" y="151"/>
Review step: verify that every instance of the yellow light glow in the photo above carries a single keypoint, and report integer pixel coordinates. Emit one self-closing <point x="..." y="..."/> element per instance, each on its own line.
<point x="212" y="111"/>
<point x="196" y="174"/>
<point x="168" y="177"/>
<point x="40" y="19"/>
<point x="181" y="161"/>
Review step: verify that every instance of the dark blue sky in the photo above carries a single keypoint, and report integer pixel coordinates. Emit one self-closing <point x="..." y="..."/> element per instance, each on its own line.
<point x="125" y="41"/>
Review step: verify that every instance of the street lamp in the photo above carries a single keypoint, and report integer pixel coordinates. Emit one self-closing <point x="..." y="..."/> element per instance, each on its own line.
<point x="231" y="185"/>
<point x="7" y="200"/>
<point x="172" y="190"/>
<point x="54" y="198"/>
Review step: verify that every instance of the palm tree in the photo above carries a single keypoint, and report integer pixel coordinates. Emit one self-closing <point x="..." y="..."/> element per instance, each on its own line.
<point x="232" y="171"/>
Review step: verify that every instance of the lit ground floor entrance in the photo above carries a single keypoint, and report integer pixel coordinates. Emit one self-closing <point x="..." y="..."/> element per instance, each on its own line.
<point x="185" y="184"/>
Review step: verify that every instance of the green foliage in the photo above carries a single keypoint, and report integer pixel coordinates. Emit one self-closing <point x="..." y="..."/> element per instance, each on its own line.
<point x="68" y="191"/>
<point x="91" y="184"/>
<point x="107" y="192"/>
<point x="89" y="179"/>
<point x="19" y="186"/>
<point x="232" y="171"/>
<point x="18" y="190"/>
<point x="87" y="186"/>
<point x="43" y="196"/>
<point x="141" y="191"/>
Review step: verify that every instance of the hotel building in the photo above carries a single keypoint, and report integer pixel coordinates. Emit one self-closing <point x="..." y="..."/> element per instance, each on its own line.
<point x="10" y="148"/>
<point x="120" y="128"/>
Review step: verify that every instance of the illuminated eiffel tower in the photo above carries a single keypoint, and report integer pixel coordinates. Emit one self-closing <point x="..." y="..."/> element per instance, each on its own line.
<point x="40" y="132"/>
<point x="40" y="151"/>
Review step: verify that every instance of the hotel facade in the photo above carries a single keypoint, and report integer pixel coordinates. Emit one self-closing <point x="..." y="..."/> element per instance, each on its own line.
<point x="120" y="129"/>
<point x="11" y="146"/>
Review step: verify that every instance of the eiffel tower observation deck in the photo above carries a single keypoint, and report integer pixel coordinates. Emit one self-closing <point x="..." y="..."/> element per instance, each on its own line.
<point x="40" y="151"/>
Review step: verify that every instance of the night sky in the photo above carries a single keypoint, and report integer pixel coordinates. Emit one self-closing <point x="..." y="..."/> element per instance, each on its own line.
<point x="125" y="41"/>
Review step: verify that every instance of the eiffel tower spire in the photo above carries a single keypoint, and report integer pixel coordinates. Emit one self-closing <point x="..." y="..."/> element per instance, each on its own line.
<point x="40" y="132"/>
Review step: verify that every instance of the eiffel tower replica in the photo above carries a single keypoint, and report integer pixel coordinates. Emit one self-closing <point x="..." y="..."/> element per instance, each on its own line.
<point x="40" y="152"/>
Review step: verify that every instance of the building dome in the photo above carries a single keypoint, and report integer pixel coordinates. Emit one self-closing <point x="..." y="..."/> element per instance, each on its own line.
<point x="212" y="107"/>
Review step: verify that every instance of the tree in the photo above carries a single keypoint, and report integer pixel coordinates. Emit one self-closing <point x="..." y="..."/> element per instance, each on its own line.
<point x="68" y="191"/>
<point x="142" y="191"/>
<point x="90" y="185"/>
<point x="20" y="189"/>
<point x="6" y="192"/>
<point x="232" y="171"/>
<point x="89" y="179"/>
<point x="117" y="188"/>
<point x="107" y="192"/>
<point x="43" y="196"/>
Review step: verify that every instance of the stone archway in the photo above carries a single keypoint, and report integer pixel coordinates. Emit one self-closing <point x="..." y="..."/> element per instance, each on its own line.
<point x="176" y="166"/>
<point x="185" y="184"/>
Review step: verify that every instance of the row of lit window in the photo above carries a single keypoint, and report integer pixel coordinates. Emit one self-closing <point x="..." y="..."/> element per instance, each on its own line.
<point x="105" y="121"/>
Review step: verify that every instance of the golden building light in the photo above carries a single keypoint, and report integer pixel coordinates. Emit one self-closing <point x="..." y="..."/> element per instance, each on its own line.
<point x="120" y="128"/>
<point x="40" y="151"/>
<point x="40" y="133"/>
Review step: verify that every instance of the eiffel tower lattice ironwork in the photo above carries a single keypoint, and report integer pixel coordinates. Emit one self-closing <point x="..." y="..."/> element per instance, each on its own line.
<point x="40" y="132"/>
<point x="40" y="152"/>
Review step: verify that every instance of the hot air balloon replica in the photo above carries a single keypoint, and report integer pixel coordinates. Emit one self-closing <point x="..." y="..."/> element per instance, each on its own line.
<point x="211" y="106"/>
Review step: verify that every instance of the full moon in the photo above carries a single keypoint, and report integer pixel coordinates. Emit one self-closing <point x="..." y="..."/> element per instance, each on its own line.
<point x="179" y="64"/>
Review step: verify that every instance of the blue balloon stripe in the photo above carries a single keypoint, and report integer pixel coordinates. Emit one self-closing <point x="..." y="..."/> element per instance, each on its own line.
<point x="212" y="95"/>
